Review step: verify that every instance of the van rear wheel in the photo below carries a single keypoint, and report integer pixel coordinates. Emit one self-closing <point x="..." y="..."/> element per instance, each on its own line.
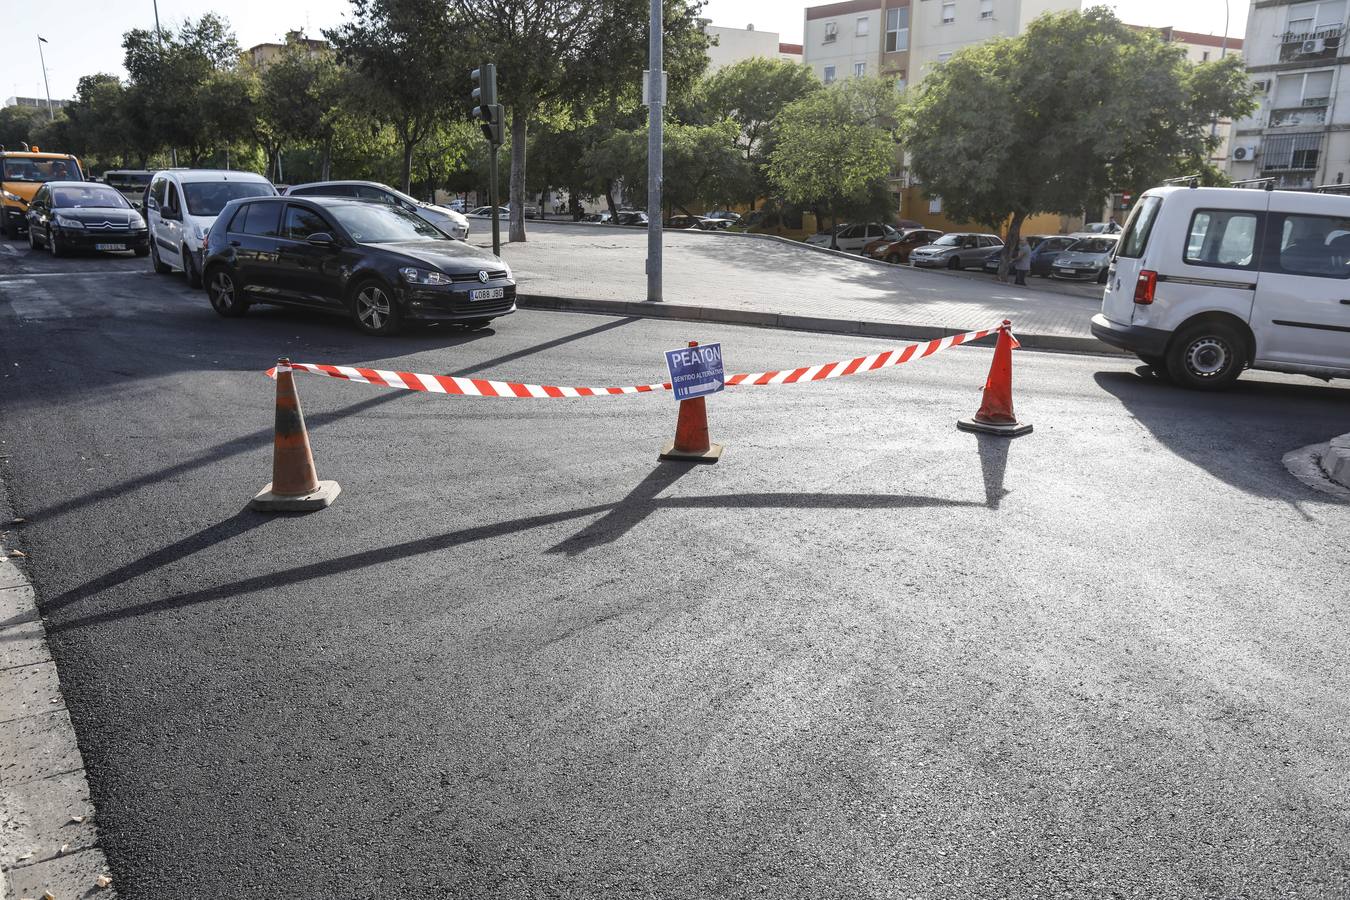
<point x="1208" y="356"/>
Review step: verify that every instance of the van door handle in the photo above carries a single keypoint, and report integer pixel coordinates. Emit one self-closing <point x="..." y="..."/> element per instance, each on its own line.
<point x="234" y="243"/>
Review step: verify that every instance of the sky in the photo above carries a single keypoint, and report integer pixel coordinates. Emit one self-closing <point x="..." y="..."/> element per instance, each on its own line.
<point x="86" y="36"/>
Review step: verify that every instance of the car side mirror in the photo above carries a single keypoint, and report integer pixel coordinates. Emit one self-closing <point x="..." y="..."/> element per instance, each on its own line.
<point x="321" y="239"/>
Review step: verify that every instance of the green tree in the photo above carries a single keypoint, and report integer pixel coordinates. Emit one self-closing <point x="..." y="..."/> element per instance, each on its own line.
<point x="18" y="124"/>
<point x="572" y="53"/>
<point x="1059" y="116"/>
<point x="836" y="147"/>
<point x="412" y="70"/>
<point x="754" y="92"/>
<point x="167" y="78"/>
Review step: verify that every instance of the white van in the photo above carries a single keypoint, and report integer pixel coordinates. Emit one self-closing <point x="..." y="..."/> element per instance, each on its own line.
<point x="180" y="207"/>
<point x="1208" y="281"/>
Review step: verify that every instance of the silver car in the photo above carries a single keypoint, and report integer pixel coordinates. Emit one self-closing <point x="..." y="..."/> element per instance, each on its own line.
<point x="959" y="250"/>
<point x="1087" y="259"/>
<point x="446" y="220"/>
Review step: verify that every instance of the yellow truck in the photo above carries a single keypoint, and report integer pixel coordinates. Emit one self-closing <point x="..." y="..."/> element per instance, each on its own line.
<point x="22" y="172"/>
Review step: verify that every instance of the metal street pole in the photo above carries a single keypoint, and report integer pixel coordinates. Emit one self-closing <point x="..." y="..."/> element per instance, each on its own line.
<point x="655" y="160"/>
<point x="492" y="199"/>
<point x="159" y="39"/>
<point x="51" y="113"/>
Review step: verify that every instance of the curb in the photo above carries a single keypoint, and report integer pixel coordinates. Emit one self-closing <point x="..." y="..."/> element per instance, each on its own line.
<point x="48" y="839"/>
<point x="756" y="318"/>
<point x="1310" y="466"/>
<point x="1335" y="460"/>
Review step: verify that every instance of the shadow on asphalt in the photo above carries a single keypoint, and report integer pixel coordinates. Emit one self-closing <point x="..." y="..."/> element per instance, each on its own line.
<point x="617" y="520"/>
<point x="257" y="439"/>
<point x="1220" y="432"/>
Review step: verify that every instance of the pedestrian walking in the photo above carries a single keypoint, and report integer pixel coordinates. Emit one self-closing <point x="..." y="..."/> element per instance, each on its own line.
<point x="1022" y="261"/>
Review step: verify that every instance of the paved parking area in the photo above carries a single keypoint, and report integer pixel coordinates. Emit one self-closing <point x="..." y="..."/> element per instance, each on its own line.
<point x="751" y="274"/>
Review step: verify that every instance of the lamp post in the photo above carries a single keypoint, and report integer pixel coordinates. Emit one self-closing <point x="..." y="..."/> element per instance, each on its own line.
<point x="51" y="113"/>
<point x="655" y="161"/>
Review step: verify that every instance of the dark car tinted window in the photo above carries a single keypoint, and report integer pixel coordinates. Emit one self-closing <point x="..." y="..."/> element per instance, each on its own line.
<point x="1224" y="238"/>
<point x="372" y="223"/>
<point x="208" y="198"/>
<point x="1134" y="239"/>
<point x="326" y="190"/>
<point x="366" y="192"/>
<point x="259" y="219"/>
<point x="91" y="196"/>
<point x="1308" y="245"/>
<point x="301" y="223"/>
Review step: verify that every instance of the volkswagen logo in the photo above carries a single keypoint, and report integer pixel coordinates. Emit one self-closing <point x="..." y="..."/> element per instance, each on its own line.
<point x="483" y="277"/>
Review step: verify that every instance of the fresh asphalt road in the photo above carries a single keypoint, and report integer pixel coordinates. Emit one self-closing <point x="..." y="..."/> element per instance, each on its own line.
<point x="866" y="655"/>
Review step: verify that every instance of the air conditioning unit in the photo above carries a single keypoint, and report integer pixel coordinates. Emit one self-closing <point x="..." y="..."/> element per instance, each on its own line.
<point x="1244" y="152"/>
<point x="1262" y="87"/>
<point x="1313" y="46"/>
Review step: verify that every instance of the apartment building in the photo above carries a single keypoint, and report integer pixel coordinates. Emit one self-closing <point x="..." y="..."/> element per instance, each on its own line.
<point x="732" y="45"/>
<point x="263" y="55"/>
<point x="904" y="39"/>
<point x="1300" y="133"/>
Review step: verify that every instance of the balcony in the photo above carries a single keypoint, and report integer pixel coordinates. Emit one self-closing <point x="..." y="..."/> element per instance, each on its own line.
<point x="1313" y="111"/>
<point x="1310" y="46"/>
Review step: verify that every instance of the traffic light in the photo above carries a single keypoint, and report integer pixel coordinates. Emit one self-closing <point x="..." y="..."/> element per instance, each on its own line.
<point x="485" y="107"/>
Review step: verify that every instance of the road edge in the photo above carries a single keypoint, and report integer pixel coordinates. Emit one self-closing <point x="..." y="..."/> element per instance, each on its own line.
<point x="45" y="808"/>
<point x="756" y="318"/>
<point x="1323" y="467"/>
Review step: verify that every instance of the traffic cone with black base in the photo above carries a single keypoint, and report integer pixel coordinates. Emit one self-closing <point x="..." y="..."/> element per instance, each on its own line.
<point x="295" y="485"/>
<point x="996" y="414"/>
<point x="692" y="443"/>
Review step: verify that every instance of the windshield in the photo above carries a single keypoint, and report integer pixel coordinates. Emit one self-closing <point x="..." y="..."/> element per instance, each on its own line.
<point x="948" y="240"/>
<point x="127" y="179"/>
<point x="93" y="196"/>
<point x="1094" y="245"/>
<point x="38" y="171"/>
<point x="370" y="223"/>
<point x="208" y="198"/>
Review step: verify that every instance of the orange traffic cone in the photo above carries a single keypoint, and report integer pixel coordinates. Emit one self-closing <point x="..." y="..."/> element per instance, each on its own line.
<point x="692" y="443"/>
<point x="295" y="485"/>
<point x="996" y="414"/>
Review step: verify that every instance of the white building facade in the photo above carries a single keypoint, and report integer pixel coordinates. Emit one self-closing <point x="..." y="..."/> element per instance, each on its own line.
<point x="1300" y="133"/>
<point x="732" y="45"/>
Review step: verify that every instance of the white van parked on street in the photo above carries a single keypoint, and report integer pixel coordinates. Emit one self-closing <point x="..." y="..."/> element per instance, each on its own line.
<point x="1208" y="281"/>
<point x="182" y="204"/>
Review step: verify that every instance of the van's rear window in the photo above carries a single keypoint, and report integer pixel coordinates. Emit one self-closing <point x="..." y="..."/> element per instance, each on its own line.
<point x="1135" y="237"/>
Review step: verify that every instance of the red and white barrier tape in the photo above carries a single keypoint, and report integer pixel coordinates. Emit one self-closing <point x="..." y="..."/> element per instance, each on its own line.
<point x="480" y="387"/>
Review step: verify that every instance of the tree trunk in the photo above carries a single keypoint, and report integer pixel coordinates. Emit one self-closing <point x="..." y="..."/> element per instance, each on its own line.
<point x="609" y="198"/>
<point x="519" y="134"/>
<point x="543" y="205"/>
<point x="408" y="146"/>
<point x="326" y="168"/>
<point x="834" y="229"/>
<point x="1010" y="248"/>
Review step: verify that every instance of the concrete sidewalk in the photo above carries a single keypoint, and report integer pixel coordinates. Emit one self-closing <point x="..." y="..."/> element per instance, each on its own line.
<point x="747" y="280"/>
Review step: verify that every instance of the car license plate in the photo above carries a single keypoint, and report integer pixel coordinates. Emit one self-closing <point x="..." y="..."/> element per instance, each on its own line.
<point x="1067" y="272"/>
<point x="110" y="246"/>
<point x="488" y="294"/>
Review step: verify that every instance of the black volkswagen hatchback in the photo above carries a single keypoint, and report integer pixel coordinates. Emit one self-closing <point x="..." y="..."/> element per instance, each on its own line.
<point x="375" y="263"/>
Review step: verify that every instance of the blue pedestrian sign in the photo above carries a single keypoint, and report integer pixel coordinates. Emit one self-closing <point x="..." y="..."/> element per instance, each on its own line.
<point x="696" y="371"/>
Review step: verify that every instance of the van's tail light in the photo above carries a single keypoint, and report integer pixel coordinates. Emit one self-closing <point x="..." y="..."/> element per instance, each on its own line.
<point x="1145" y="286"/>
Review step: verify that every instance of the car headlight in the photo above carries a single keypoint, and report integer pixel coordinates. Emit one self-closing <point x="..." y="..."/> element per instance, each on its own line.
<point x="136" y="221"/>
<point x="67" y="222"/>
<point x="423" y="276"/>
<point x="15" y="198"/>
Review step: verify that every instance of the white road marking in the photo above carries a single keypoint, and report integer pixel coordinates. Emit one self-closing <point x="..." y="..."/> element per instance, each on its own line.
<point x="68" y="274"/>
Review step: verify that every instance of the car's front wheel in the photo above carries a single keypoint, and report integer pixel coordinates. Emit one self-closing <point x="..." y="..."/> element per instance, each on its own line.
<point x="194" y="278"/>
<point x="954" y="263"/>
<point x="226" y="297"/>
<point x="894" y="259"/>
<point x="33" y="242"/>
<point x="54" y="244"/>
<point x="1208" y="356"/>
<point x="159" y="265"/>
<point x="374" y="309"/>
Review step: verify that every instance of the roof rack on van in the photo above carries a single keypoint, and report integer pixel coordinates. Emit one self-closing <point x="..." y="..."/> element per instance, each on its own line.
<point x="1332" y="189"/>
<point x="1188" y="180"/>
<point x="1267" y="183"/>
